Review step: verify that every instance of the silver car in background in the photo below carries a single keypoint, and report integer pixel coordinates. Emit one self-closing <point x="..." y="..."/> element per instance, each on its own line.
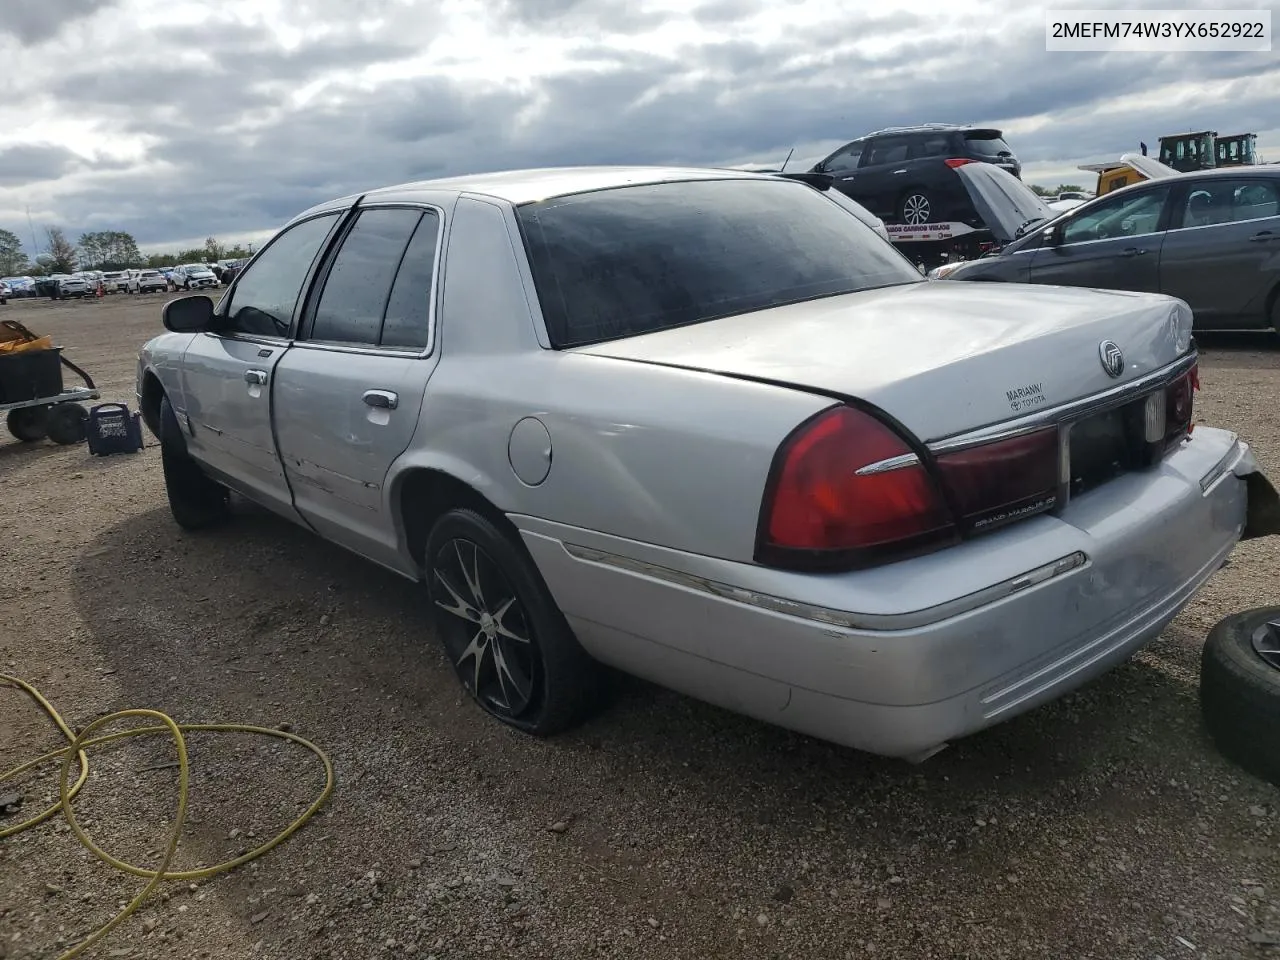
<point x="707" y="427"/>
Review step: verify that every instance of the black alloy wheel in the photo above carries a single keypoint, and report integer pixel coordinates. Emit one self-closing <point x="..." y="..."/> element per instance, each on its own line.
<point x="486" y="632"/>
<point x="509" y="644"/>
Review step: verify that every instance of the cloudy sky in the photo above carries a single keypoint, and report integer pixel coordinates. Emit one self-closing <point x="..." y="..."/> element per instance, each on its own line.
<point x="177" y="119"/>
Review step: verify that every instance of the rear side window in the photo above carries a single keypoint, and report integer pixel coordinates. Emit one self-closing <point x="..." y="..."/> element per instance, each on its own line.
<point x="986" y="143"/>
<point x="634" y="260"/>
<point x="356" y="290"/>
<point x="931" y="145"/>
<point x="888" y="150"/>
<point x="409" y="309"/>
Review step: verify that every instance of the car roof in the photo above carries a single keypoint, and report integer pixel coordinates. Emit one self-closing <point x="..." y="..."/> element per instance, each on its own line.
<point x="932" y="128"/>
<point x="1243" y="170"/>
<point x="527" y="186"/>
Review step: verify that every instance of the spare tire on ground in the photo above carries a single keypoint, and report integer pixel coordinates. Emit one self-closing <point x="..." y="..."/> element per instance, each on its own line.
<point x="1240" y="690"/>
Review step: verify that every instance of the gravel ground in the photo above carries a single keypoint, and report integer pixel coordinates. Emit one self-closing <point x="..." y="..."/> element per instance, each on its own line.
<point x="1103" y="826"/>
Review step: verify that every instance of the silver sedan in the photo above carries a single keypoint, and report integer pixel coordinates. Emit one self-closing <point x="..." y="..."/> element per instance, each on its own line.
<point x="708" y="428"/>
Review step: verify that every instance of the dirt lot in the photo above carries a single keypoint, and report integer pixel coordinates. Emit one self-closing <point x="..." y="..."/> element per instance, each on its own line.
<point x="1104" y="826"/>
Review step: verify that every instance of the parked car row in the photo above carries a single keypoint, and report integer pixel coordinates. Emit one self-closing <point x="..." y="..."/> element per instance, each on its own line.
<point x="1209" y="237"/>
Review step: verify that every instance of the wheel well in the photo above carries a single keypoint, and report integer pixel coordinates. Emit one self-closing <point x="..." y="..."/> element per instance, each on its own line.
<point x="425" y="495"/>
<point x="152" y="394"/>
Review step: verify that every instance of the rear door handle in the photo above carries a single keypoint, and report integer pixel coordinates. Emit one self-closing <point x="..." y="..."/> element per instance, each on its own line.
<point x="381" y="398"/>
<point x="1262" y="237"/>
<point x="255" y="376"/>
<point x="900" y="171"/>
<point x="846" y="178"/>
<point x="1132" y="252"/>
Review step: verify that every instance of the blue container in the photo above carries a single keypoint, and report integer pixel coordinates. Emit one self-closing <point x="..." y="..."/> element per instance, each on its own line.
<point x="111" y="428"/>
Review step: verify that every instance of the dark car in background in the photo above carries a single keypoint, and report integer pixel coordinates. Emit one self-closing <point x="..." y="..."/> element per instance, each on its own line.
<point x="907" y="175"/>
<point x="1211" y="238"/>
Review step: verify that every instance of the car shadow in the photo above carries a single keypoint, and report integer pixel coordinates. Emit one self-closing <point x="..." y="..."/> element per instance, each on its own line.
<point x="262" y="622"/>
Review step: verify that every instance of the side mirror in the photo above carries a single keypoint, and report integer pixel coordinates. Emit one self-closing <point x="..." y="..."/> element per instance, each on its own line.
<point x="1052" y="236"/>
<point x="188" y="314"/>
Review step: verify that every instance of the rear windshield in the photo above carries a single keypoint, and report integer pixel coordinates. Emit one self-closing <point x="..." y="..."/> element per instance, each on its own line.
<point x="987" y="143"/>
<point x="633" y="260"/>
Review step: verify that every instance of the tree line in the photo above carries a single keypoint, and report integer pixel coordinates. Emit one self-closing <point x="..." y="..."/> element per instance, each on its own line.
<point x="100" y="250"/>
<point x="1060" y="188"/>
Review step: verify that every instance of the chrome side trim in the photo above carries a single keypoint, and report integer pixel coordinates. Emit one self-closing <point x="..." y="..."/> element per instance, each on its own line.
<point x="826" y="615"/>
<point x="1041" y="419"/>
<point x="885" y="466"/>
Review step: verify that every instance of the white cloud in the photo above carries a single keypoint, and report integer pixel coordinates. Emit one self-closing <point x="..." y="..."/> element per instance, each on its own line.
<point x="179" y="118"/>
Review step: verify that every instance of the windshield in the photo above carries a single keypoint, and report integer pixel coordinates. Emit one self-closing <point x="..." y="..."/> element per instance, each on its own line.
<point x="633" y="260"/>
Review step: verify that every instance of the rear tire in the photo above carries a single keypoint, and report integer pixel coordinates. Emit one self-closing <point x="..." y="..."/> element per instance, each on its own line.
<point x="196" y="501"/>
<point x="66" y="424"/>
<point x="1240" y="691"/>
<point x="915" y="207"/>
<point x="28" y="424"/>
<point x="508" y="642"/>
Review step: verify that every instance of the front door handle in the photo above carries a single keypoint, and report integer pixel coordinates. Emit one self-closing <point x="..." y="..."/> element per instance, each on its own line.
<point x="846" y="178"/>
<point x="900" y="171"/>
<point x="1262" y="237"/>
<point x="381" y="398"/>
<point x="1132" y="252"/>
<point x="255" y="376"/>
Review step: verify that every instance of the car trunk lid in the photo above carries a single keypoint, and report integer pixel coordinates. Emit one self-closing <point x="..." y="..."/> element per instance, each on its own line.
<point x="942" y="359"/>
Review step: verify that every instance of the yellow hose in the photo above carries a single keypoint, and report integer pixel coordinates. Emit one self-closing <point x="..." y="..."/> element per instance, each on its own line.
<point x="68" y="791"/>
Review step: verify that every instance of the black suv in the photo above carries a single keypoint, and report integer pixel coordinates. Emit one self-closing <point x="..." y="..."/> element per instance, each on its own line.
<point x="907" y="174"/>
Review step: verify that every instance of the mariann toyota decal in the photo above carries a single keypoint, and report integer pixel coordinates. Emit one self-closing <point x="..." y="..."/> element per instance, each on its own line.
<point x="1025" y="397"/>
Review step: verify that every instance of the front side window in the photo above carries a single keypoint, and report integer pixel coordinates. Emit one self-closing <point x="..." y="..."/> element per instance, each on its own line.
<point x="1127" y="215"/>
<point x="844" y="159"/>
<point x="633" y="260"/>
<point x="264" y="298"/>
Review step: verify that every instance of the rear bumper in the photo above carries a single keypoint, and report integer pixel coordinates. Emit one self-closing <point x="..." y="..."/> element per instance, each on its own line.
<point x="903" y="658"/>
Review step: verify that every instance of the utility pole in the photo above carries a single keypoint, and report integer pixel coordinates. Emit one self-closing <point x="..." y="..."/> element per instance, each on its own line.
<point x="35" y="245"/>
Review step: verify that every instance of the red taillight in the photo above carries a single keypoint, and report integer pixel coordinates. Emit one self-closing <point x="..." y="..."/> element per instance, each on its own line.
<point x="820" y="510"/>
<point x="1004" y="480"/>
<point x="957" y="162"/>
<point x="1179" y="403"/>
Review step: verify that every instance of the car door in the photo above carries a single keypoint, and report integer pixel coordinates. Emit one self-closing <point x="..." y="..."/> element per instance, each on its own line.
<point x="843" y="166"/>
<point x="1222" y="253"/>
<point x="879" y="180"/>
<point x="1113" y="243"/>
<point x="349" y="393"/>
<point x="227" y="374"/>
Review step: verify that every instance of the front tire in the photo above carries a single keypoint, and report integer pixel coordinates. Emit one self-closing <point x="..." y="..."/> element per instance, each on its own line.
<point x="509" y="644"/>
<point x="196" y="501"/>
